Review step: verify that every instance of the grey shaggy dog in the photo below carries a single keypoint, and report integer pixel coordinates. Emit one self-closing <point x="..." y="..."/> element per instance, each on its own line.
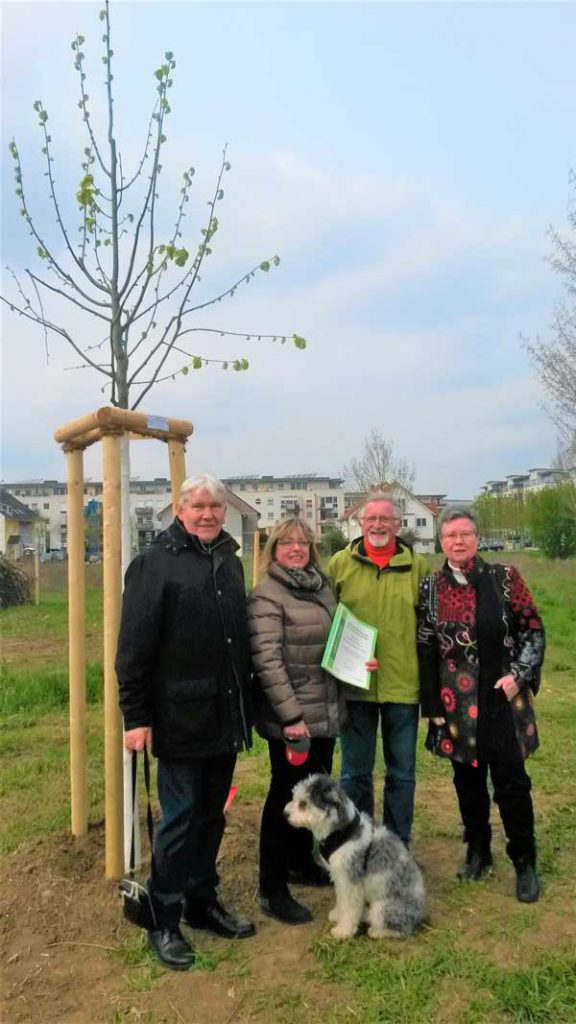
<point x="376" y="879"/>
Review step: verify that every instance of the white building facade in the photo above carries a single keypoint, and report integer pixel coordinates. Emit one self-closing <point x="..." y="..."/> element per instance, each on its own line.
<point x="418" y="518"/>
<point x="48" y="498"/>
<point x="318" y="500"/>
<point x="534" y="480"/>
<point x="150" y="511"/>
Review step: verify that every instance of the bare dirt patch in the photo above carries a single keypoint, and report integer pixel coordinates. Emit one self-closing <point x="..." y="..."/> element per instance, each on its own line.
<point x="70" y="958"/>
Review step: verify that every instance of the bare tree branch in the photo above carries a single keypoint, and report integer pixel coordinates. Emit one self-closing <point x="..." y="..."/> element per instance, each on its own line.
<point x="379" y="466"/>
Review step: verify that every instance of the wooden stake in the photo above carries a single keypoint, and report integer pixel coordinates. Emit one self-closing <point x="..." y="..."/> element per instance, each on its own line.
<point x="255" y="558"/>
<point x="76" y="648"/>
<point x="177" y="457"/>
<point x="112" y="603"/>
<point x="37" y="573"/>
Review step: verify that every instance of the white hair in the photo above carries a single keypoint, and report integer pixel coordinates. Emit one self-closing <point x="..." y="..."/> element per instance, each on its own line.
<point x="378" y="496"/>
<point x="206" y="482"/>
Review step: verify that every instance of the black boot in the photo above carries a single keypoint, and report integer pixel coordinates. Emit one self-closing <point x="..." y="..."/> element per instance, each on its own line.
<point x="527" y="884"/>
<point x="478" y="863"/>
<point x="285" y="908"/>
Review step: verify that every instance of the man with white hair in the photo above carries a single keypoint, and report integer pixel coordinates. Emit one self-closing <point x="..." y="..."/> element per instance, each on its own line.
<point x="183" y="670"/>
<point x="377" y="577"/>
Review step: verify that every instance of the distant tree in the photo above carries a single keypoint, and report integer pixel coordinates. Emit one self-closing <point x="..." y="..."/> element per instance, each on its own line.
<point x="555" y="359"/>
<point x="379" y="465"/>
<point x="552" y="520"/>
<point x="125" y="273"/>
<point x="502" y="515"/>
<point x="332" y="541"/>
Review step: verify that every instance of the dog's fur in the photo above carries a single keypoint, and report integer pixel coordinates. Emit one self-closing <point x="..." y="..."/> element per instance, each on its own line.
<point x="375" y="877"/>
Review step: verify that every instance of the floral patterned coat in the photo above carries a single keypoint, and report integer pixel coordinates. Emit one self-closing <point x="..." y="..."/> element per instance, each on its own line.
<point x="470" y="635"/>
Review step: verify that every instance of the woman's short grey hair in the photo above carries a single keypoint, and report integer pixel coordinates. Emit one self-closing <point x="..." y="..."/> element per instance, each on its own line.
<point x="456" y="513"/>
<point x="206" y="482"/>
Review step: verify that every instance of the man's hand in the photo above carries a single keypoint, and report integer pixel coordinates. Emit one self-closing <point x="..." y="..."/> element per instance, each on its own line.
<point x="437" y="721"/>
<point x="137" y="739"/>
<point x="509" y="685"/>
<point x="371" y="665"/>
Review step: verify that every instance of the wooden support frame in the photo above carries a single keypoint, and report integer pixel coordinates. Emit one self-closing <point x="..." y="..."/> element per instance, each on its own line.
<point x="107" y="424"/>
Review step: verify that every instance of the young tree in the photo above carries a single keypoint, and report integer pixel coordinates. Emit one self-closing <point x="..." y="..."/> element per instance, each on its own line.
<point x="132" y="281"/>
<point x="555" y="359"/>
<point x="378" y="465"/>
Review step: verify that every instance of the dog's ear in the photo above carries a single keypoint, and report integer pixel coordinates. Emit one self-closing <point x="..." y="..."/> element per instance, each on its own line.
<point x="325" y="792"/>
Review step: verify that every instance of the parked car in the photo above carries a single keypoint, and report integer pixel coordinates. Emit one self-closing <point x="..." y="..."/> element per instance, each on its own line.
<point x="490" y="545"/>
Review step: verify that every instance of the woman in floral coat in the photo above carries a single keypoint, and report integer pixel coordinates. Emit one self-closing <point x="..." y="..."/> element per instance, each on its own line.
<point x="481" y="647"/>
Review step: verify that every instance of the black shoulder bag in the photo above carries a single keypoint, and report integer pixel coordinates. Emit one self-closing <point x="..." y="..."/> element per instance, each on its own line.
<point x="136" y="902"/>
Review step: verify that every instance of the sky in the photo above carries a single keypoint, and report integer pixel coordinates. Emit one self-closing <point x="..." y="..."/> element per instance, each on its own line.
<point x="404" y="160"/>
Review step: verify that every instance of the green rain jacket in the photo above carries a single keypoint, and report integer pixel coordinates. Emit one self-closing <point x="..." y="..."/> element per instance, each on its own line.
<point x="385" y="598"/>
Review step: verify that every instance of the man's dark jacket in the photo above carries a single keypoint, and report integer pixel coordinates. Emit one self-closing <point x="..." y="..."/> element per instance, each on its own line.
<point x="183" y="658"/>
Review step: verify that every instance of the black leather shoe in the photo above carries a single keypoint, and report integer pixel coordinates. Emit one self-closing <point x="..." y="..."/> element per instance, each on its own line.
<point x="171" y="948"/>
<point x="312" y="874"/>
<point x="527" y="884"/>
<point x="285" y="908"/>
<point x="213" y="917"/>
<point x="475" y="867"/>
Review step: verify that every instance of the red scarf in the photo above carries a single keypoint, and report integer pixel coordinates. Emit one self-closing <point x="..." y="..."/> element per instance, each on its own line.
<point x="381" y="556"/>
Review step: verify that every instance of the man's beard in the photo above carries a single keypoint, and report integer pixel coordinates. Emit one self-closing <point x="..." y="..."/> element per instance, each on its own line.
<point x="379" y="540"/>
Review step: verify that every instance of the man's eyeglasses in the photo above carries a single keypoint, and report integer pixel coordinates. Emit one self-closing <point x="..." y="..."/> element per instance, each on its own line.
<point x="379" y="519"/>
<point x="467" y="535"/>
<point x="293" y="544"/>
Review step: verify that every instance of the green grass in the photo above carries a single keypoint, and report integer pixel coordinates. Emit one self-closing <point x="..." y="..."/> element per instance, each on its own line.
<point x="49" y="620"/>
<point x="402" y="985"/>
<point x="42" y="690"/>
<point x="478" y="962"/>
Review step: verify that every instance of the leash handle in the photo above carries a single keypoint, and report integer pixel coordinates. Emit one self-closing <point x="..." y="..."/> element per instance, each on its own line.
<point x="149" y="817"/>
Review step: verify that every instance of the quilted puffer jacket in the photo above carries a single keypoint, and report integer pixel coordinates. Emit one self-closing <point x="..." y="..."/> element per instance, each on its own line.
<point x="288" y="628"/>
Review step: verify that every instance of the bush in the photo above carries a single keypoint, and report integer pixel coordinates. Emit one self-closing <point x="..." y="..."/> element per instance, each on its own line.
<point x="552" y="520"/>
<point x="333" y="541"/>
<point x="14" y="585"/>
<point x="409" y="536"/>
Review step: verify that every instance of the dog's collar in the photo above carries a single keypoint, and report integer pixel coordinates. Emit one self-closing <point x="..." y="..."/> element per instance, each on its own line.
<point x="337" y="839"/>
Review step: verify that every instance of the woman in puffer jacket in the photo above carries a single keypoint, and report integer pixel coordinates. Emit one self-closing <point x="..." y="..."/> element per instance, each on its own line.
<point x="290" y="613"/>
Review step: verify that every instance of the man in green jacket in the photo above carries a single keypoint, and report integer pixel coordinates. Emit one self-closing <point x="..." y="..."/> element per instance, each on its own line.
<point x="378" y="577"/>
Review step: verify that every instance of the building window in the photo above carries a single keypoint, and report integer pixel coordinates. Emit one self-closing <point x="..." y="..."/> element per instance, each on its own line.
<point x="421" y="522"/>
<point x="404" y="522"/>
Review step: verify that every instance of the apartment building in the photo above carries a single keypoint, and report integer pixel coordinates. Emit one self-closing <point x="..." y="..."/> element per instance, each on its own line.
<point x="318" y="500"/>
<point x="48" y="498"/>
<point x="150" y="511"/>
<point x="534" y="480"/>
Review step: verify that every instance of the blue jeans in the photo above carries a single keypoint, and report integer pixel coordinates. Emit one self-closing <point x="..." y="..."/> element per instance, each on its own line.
<point x="399" y="725"/>
<point x="192" y="795"/>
